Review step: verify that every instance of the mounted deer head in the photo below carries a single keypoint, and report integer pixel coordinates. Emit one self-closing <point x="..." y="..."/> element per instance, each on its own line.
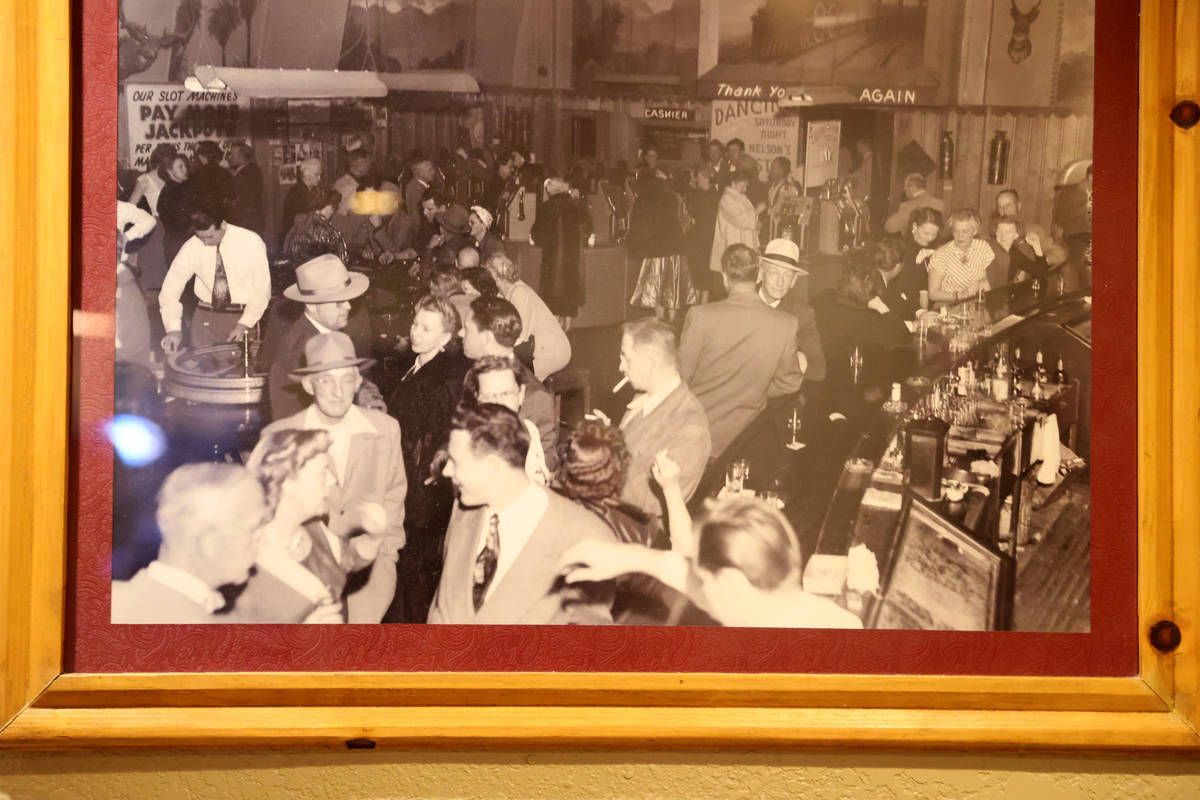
<point x="1019" y="45"/>
<point x="137" y="49"/>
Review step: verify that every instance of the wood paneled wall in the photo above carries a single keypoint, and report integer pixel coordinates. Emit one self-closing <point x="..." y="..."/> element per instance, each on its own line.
<point x="1042" y="144"/>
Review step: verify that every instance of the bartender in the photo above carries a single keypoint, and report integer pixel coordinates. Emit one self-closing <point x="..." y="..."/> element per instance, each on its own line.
<point x="232" y="286"/>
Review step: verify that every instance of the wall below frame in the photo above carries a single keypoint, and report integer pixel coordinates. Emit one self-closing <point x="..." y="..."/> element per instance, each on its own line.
<point x="581" y="776"/>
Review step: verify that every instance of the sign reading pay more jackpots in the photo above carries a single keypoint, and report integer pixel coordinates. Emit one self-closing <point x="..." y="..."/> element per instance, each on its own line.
<point x="168" y="113"/>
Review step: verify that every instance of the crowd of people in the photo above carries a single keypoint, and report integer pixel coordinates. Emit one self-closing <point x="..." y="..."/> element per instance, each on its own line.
<point x="451" y="495"/>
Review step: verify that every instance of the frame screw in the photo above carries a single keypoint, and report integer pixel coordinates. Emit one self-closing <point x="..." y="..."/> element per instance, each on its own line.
<point x="1165" y="636"/>
<point x="1186" y="114"/>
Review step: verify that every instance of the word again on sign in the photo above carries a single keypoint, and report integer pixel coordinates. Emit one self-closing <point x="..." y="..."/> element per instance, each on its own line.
<point x="900" y="97"/>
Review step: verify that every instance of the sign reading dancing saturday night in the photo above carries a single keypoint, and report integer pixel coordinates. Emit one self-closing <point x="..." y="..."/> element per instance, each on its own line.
<point x="757" y="123"/>
<point x="168" y="113"/>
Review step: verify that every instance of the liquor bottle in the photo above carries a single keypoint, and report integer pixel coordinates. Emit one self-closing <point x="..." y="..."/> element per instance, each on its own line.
<point x="1017" y="372"/>
<point x="1060" y="374"/>
<point x="1040" y="375"/>
<point x="1000" y="378"/>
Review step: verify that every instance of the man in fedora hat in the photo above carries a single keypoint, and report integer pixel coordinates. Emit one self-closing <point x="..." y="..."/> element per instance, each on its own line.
<point x="325" y="287"/>
<point x="779" y="270"/>
<point x="367" y="461"/>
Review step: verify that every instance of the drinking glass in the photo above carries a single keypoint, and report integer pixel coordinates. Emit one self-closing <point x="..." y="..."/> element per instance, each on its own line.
<point x="736" y="475"/>
<point x="795" y="423"/>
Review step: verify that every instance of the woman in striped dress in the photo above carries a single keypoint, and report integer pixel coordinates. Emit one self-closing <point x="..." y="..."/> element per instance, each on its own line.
<point x="958" y="269"/>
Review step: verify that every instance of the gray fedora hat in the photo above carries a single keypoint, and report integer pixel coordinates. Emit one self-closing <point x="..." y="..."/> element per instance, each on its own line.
<point x="327" y="351"/>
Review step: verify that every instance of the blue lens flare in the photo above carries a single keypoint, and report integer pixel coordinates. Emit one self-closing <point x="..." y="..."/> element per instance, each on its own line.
<point x="136" y="440"/>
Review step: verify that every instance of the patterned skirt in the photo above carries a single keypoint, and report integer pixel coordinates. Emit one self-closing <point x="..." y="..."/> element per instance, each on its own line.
<point x="664" y="281"/>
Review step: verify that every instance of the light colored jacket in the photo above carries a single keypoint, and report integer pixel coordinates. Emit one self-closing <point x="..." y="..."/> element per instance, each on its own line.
<point x="737" y="223"/>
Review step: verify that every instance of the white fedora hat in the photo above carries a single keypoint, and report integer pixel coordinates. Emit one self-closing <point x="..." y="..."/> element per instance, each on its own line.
<point x="783" y="253"/>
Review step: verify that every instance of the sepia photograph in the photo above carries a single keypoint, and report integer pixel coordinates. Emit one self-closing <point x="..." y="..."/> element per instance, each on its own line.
<point x="743" y="313"/>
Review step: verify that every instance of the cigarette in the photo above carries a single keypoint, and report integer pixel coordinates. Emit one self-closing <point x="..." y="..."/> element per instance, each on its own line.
<point x="620" y="385"/>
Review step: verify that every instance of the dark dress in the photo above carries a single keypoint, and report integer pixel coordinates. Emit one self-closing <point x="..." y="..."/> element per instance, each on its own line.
<point x="656" y="238"/>
<point x="176" y="202"/>
<point x="246" y="208"/>
<point x="423" y="403"/>
<point x="561" y="230"/>
<point x="702" y="207"/>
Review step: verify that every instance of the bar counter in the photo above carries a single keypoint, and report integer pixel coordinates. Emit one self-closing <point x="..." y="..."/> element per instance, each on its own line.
<point x="838" y="492"/>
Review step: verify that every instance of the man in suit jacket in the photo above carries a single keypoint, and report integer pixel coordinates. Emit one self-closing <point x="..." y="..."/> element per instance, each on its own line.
<point x="665" y="417"/>
<point x="246" y="206"/>
<point x="737" y="353"/>
<point x="367" y="459"/>
<point x="423" y="175"/>
<point x="491" y="327"/>
<point x="916" y="197"/>
<point x="208" y="515"/>
<point x="779" y="269"/>
<point x="507" y="534"/>
<point x="325" y="287"/>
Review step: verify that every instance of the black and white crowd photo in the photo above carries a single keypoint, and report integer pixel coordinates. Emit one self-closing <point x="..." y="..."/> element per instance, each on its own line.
<point x="753" y="313"/>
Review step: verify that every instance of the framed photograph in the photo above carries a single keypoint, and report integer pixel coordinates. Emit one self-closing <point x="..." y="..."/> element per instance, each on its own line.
<point x="942" y="578"/>
<point x="75" y="678"/>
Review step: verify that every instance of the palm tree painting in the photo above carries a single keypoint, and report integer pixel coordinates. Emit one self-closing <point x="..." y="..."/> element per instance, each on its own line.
<point x="223" y="20"/>
<point x="247" y="8"/>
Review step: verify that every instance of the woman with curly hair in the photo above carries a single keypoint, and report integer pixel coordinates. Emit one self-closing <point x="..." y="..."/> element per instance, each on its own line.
<point x="301" y="566"/>
<point x="593" y="463"/>
<point x="958" y="268"/>
<point x="423" y="403"/>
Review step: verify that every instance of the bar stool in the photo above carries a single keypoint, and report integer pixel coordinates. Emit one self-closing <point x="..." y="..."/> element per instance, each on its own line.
<point x="575" y="386"/>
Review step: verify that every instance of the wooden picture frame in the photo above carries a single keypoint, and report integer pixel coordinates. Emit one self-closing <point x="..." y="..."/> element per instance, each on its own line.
<point x="43" y="707"/>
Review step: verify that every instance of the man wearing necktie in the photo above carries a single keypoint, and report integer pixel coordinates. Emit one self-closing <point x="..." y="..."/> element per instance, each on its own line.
<point x="232" y="282"/>
<point x="507" y="534"/>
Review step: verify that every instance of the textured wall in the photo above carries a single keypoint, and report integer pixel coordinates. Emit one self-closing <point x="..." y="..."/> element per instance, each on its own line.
<point x="582" y="776"/>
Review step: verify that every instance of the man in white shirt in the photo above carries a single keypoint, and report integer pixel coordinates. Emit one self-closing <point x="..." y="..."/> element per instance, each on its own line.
<point x="507" y="534"/>
<point x="232" y="286"/>
<point x="367" y="460"/>
<point x="209" y="516"/>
